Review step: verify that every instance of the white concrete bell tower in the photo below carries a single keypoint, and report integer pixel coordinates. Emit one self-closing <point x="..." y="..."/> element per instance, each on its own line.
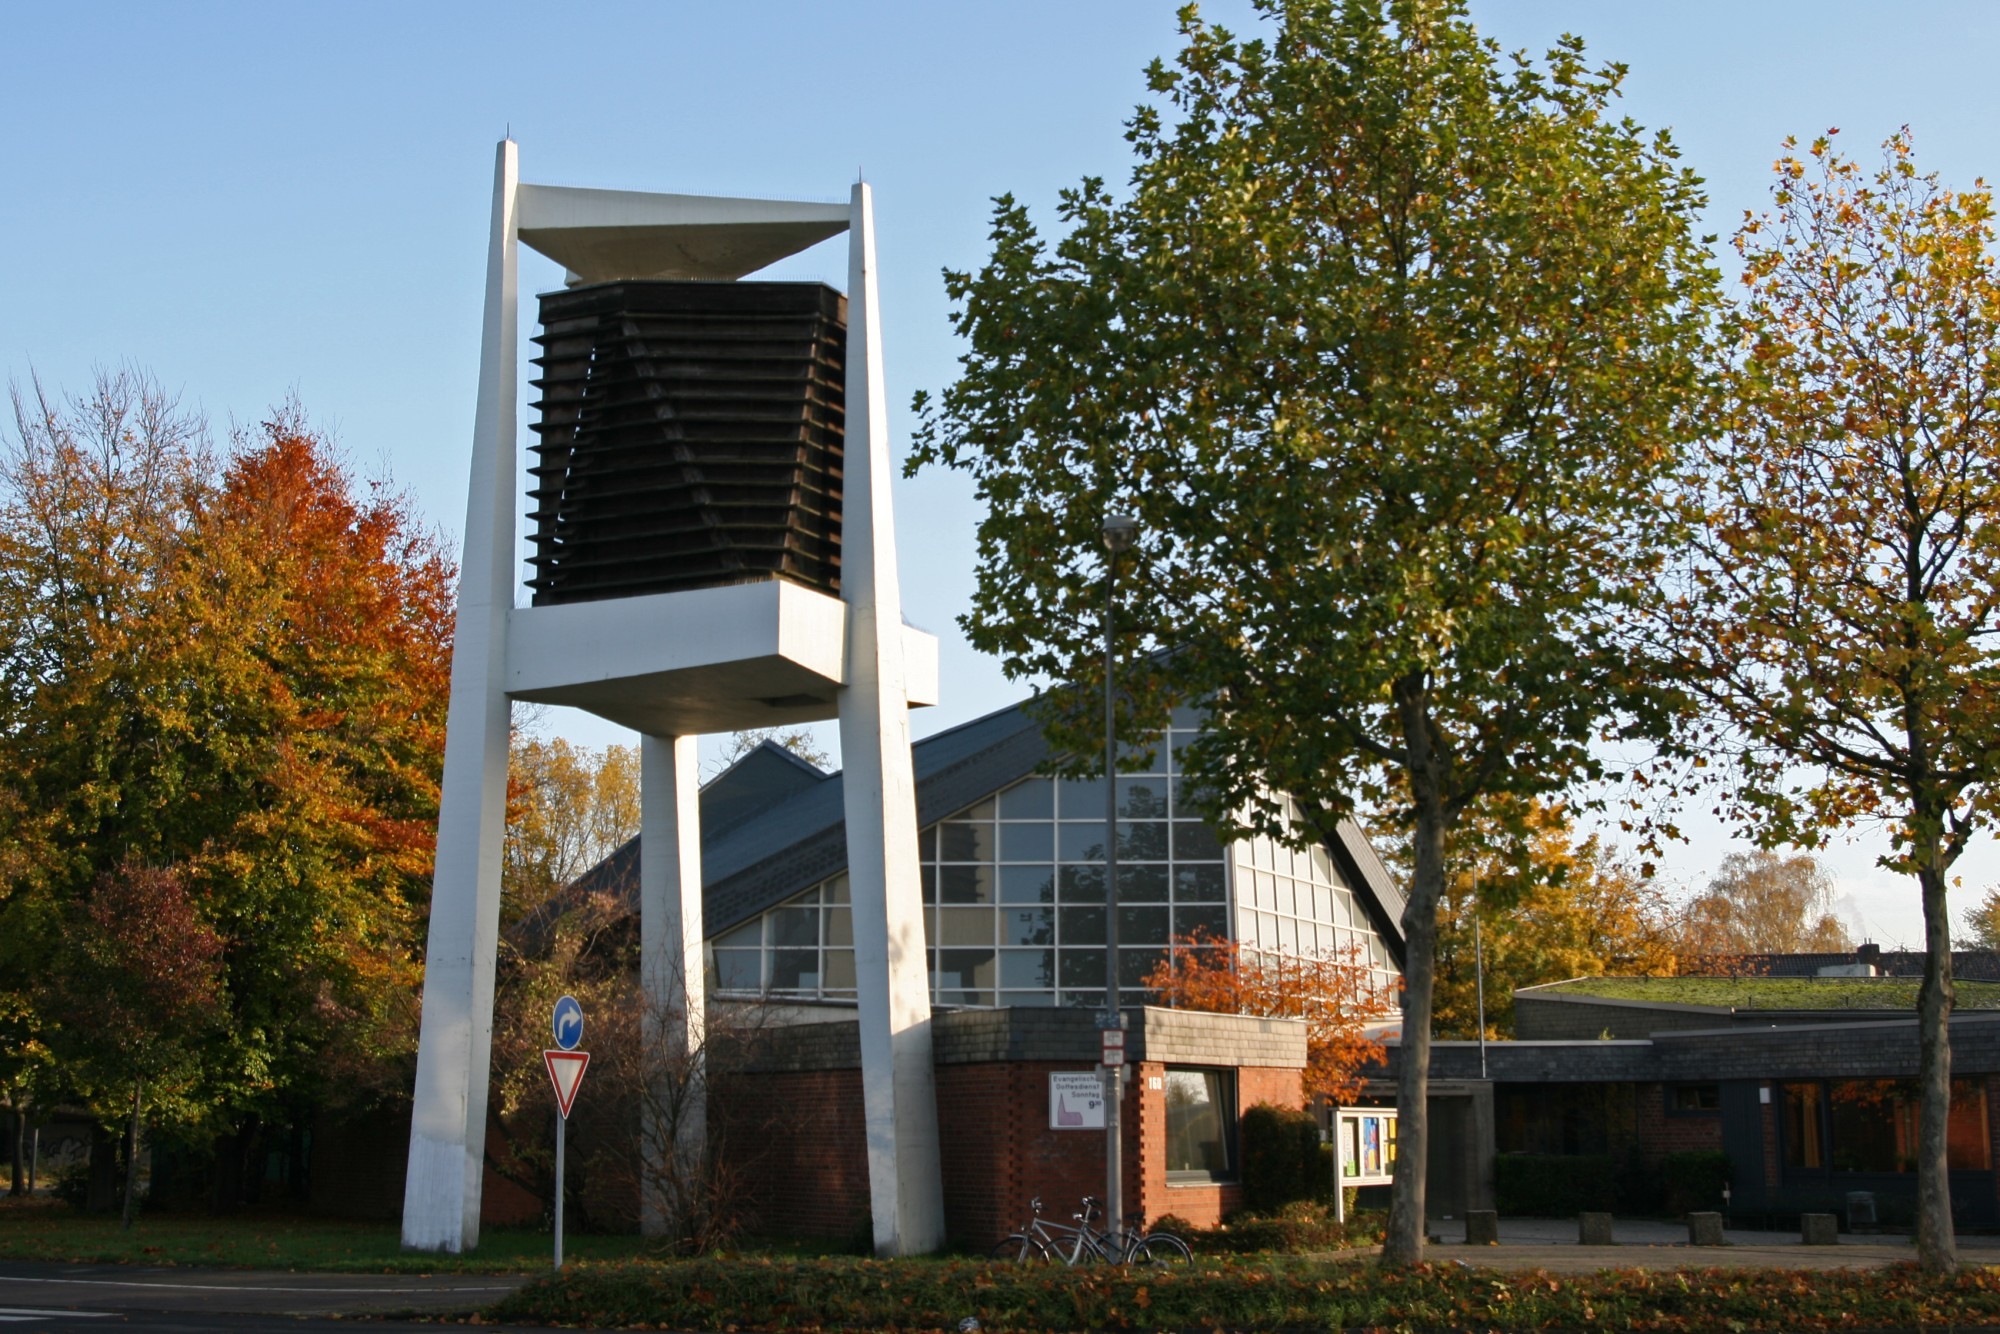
<point x="752" y="652"/>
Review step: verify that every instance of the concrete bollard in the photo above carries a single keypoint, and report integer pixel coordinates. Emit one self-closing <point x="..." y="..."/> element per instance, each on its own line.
<point x="1704" y="1229"/>
<point x="1819" y="1230"/>
<point x="1482" y="1227"/>
<point x="1593" y="1229"/>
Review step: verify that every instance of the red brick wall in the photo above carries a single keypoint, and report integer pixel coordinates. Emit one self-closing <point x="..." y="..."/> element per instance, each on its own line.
<point x="804" y="1149"/>
<point x="998" y="1151"/>
<point x="1661" y="1132"/>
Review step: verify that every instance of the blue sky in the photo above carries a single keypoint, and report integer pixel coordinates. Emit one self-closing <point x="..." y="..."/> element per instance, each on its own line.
<point x="250" y="200"/>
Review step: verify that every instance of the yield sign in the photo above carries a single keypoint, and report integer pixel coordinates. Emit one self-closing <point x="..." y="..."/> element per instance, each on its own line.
<point x="566" y="1073"/>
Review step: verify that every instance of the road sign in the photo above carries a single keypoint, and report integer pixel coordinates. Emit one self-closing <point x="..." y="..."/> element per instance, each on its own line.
<point x="1114" y="1046"/>
<point x="566" y="1073"/>
<point x="568" y="1023"/>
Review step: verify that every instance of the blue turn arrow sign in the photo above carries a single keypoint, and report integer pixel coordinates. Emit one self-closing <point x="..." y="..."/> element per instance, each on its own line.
<point x="568" y="1023"/>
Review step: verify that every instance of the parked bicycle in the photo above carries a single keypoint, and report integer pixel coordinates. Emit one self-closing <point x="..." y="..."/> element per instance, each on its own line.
<point x="1045" y="1242"/>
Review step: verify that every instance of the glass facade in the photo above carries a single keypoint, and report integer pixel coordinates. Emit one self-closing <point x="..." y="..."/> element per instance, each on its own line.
<point x="1014" y="904"/>
<point x="1870" y="1125"/>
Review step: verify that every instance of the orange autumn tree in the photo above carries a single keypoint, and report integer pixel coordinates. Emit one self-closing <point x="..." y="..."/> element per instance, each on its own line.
<point x="1336" y="994"/>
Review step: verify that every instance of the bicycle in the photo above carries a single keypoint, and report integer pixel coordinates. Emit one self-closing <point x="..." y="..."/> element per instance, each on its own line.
<point x="1046" y="1242"/>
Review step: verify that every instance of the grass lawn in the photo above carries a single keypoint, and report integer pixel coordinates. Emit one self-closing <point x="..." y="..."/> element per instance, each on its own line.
<point x="47" y="1230"/>
<point x="1263" y="1293"/>
<point x="1775" y="993"/>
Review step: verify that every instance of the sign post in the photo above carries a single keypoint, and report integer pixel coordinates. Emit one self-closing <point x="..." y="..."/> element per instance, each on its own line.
<point x="566" y="1066"/>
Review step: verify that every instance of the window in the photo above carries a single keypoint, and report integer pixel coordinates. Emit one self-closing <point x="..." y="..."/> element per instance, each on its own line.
<point x="1201" y="1125"/>
<point x="1696" y="1098"/>
<point x="1805" y="1132"/>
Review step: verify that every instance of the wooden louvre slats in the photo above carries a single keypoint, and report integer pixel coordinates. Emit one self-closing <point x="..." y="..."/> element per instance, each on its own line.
<point x="690" y="436"/>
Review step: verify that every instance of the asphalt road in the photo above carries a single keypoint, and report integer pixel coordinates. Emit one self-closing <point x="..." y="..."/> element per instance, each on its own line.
<point x="79" y="1297"/>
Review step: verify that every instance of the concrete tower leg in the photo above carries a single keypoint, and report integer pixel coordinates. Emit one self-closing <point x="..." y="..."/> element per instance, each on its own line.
<point x="892" y="974"/>
<point x="675" y="1108"/>
<point x="454" y="1052"/>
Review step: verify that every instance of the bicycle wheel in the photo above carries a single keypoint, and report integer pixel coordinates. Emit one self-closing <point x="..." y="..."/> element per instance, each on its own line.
<point x="1161" y="1250"/>
<point x="1019" y="1248"/>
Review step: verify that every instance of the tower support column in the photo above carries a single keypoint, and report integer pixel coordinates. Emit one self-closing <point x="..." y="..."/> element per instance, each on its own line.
<point x="674" y="1110"/>
<point x="892" y="976"/>
<point x="448" y="1126"/>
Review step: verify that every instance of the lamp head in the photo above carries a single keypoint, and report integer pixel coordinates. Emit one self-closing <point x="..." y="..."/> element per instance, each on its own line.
<point x="1121" y="531"/>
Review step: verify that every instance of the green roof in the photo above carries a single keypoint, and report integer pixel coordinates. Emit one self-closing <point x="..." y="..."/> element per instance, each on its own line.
<point x="1773" y="993"/>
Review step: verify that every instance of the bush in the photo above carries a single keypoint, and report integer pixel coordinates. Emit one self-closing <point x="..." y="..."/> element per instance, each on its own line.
<point x="1281" y="1157"/>
<point x="1694" y="1180"/>
<point x="1300" y="1227"/>
<point x="1537" y="1185"/>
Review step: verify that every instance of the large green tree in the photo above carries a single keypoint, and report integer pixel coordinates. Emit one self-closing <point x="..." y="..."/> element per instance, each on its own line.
<point x="232" y="664"/>
<point x="1389" y="344"/>
<point x="1841" y="612"/>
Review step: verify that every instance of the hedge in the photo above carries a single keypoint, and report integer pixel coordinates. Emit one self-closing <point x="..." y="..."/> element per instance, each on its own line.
<point x="1281" y="1158"/>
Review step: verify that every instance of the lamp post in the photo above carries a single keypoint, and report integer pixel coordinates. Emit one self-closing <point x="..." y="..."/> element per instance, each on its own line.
<point x="1121" y="533"/>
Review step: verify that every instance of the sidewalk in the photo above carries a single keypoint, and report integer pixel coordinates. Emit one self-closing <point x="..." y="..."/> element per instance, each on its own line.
<point x="1551" y="1244"/>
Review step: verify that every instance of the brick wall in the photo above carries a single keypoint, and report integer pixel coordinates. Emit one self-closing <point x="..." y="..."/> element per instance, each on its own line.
<point x="801" y="1144"/>
<point x="1661" y="1132"/>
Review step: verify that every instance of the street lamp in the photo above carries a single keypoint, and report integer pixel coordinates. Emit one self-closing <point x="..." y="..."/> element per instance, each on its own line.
<point x="1121" y="534"/>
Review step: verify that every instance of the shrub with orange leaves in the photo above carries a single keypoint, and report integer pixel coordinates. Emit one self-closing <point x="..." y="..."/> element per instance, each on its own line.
<point x="1336" y="994"/>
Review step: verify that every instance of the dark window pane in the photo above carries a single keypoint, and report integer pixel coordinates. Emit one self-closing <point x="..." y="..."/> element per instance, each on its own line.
<point x="930" y="883"/>
<point x="1191" y="800"/>
<point x="1027" y="926"/>
<point x="736" y="970"/>
<point x="836" y="889"/>
<point x="795" y="926"/>
<point x="1697" y="1097"/>
<point x="965" y="884"/>
<point x="1142" y="926"/>
<point x="1142" y="884"/>
<point x="965" y="926"/>
<point x="1211" y="919"/>
<point x="794" y="970"/>
<point x="1032" y="800"/>
<point x="1199" y="884"/>
<point x="1148" y="757"/>
<point x="1142" y="841"/>
<point x="979" y="810"/>
<point x="1080" y="798"/>
<point x="1082" y="968"/>
<point x="1027" y="884"/>
<point x="1967" y="1148"/>
<point x="1864" y="1116"/>
<point x="1027" y="998"/>
<point x="1142" y="798"/>
<point x="1081" y="842"/>
<point x="1199" y="1113"/>
<point x="1027" y="968"/>
<point x="1027" y="842"/>
<point x="1194" y="841"/>
<point x="1082" y="1000"/>
<point x="1082" y="926"/>
<point x="1134" y="965"/>
<point x="964" y="969"/>
<point x="959" y="842"/>
<point x="1081" y="884"/>
<point x="1190" y="716"/>
<point x="927" y="843"/>
<point x="840" y="926"/>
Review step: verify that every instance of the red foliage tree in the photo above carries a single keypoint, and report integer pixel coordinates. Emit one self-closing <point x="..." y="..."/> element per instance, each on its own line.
<point x="1336" y="994"/>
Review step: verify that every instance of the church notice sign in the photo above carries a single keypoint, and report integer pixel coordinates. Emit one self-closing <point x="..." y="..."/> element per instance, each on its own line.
<point x="1076" y="1100"/>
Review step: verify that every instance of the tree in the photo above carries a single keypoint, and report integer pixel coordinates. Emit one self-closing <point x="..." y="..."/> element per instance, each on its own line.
<point x="1337" y="996"/>
<point x="142" y="996"/>
<point x="1982" y="924"/>
<point x="569" y="807"/>
<point x="235" y="667"/>
<point x="1838" y="612"/>
<point x="1550" y="906"/>
<point x="1389" y="347"/>
<point x="1761" y="903"/>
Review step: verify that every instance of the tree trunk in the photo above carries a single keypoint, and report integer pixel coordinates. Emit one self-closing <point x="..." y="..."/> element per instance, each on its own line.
<point x="19" y="1184"/>
<point x="1403" y="1244"/>
<point x="1937" y="1243"/>
<point x="132" y="1156"/>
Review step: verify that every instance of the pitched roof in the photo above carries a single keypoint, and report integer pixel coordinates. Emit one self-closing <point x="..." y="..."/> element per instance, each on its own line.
<point x="774" y="826"/>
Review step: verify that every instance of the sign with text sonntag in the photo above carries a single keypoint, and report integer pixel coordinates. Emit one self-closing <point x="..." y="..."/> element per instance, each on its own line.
<point x="1076" y="1100"/>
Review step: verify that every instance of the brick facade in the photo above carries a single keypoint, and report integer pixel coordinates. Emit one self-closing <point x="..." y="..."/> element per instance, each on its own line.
<point x="1662" y="1131"/>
